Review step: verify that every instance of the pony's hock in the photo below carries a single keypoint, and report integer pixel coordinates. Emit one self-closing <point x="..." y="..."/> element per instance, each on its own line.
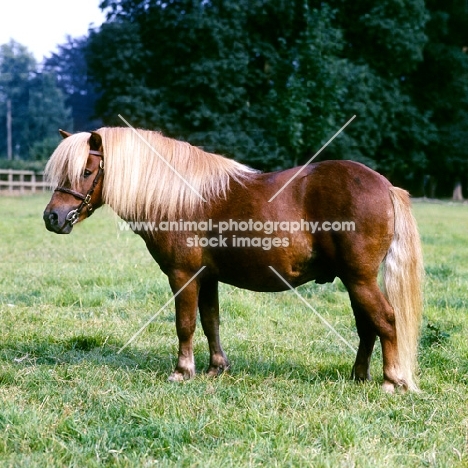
<point x="150" y="177"/>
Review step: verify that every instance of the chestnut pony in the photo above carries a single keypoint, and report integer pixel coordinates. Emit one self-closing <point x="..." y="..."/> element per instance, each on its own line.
<point x="146" y="177"/>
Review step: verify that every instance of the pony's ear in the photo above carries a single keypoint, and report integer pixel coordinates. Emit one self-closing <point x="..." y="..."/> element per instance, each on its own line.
<point x="64" y="133"/>
<point x="95" y="141"/>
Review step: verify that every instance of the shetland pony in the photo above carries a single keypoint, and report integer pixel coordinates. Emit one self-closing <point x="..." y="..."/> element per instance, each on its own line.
<point x="222" y="221"/>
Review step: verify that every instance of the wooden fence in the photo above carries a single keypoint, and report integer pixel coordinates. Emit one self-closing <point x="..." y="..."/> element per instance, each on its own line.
<point x="20" y="182"/>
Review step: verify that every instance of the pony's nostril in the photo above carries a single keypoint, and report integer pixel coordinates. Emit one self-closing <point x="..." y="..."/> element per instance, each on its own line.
<point x="51" y="218"/>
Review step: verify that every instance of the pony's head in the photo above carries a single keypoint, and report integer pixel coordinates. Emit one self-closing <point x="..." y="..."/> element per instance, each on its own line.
<point x="75" y="170"/>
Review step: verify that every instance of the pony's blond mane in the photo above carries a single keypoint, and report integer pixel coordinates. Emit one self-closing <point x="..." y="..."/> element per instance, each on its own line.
<point x="147" y="175"/>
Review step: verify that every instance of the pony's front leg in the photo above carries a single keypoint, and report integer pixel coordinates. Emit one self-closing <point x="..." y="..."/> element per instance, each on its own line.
<point x="186" y="314"/>
<point x="208" y="304"/>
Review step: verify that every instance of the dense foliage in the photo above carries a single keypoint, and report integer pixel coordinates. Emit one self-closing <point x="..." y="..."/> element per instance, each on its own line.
<point x="440" y="85"/>
<point x="270" y="82"/>
<point x="267" y="82"/>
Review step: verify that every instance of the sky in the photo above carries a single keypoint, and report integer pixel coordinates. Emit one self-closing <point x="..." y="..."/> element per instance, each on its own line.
<point x="41" y="25"/>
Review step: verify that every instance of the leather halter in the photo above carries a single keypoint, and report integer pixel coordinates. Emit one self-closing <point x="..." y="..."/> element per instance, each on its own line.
<point x="73" y="215"/>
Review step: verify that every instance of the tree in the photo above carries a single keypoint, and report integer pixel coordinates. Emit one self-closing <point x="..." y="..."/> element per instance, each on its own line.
<point x="47" y="113"/>
<point x="269" y="81"/>
<point x="71" y="70"/>
<point x="441" y="84"/>
<point x="17" y="66"/>
<point x="37" y="105"/>
<point x="383" y="42"/>
<point x="234" y="77"/>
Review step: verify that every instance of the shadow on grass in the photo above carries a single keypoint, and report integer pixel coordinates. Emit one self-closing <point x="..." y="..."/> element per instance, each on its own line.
<point x="96" y="349"/>
<point x="291" y="370"/>
<point x="100" y="351"/>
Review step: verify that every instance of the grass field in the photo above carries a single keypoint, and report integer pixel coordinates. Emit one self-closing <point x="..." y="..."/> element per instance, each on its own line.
<point x="68" y="303"/>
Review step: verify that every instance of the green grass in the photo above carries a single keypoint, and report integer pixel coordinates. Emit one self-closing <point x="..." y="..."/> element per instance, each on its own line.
<point x="68" y="303"/>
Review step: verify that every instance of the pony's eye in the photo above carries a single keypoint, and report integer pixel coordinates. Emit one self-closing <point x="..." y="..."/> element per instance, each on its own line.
<point x="86" y="173"/>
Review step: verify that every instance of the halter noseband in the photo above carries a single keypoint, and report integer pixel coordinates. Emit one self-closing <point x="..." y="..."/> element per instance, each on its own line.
<point x="73" y="215"/>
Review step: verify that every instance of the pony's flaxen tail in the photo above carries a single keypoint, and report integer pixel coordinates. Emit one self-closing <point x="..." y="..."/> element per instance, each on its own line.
<point x="402" y="277"/>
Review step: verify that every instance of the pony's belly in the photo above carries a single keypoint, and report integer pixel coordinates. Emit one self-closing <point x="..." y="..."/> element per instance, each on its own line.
<point x="269" y="280"/>
<point x="269" y="271"/>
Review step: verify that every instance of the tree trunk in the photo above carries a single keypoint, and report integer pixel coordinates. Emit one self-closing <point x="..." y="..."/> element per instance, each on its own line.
<point x="432" y="187"/>
<point x="8" y="129"/>
<point x="457" y="192"/>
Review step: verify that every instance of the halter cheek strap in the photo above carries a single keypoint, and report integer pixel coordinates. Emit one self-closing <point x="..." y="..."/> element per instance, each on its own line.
<point x="73" y="215"/>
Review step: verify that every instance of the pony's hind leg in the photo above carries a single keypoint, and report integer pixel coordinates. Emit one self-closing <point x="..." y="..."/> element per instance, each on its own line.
<point x="368" y="301"/>
<point x="208" y="304"/>
<point x="367" y="336"/>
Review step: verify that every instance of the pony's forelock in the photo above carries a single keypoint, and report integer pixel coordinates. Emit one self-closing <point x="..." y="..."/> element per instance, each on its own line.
<point x="68" y="161"/>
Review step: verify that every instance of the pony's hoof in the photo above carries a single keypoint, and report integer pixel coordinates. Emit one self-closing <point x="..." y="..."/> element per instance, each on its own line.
<point x="360" y="377"/>
<point x="215" y="371"/>
<point x="178" y="376"/>
<point x="390" y="387"/>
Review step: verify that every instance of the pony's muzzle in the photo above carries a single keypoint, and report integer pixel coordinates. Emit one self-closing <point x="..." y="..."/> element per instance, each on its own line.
<point x="54" y="223"/>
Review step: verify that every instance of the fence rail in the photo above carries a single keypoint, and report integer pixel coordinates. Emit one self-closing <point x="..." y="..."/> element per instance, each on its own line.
<point x="13" y="181"/>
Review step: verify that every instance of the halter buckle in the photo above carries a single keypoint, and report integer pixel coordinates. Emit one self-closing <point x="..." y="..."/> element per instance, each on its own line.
<point x="72" y="217"/>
